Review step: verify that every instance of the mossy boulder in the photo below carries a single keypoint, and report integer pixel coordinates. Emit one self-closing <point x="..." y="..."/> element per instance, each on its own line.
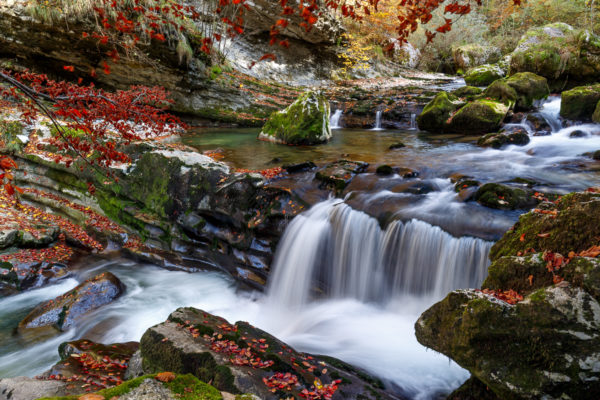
<point x="495" y="195"/>
<point x="580" y="103"/>
<point x="545" y="346"/>
<point x="484" y="75"/>
<point x="559" y="53"/>
<point x="472" y="55"/>
<point x="478" y="117"/>
<point x="238" y="358"/>
<point x="62" y="312"/>
<point x="468" y="93"/>
<point x="571" y="224"/>
<point x="517" y="137"/>
<point x="304" y="122"/>
<point x="520" y="91"/>
<point x="438" y="111"/>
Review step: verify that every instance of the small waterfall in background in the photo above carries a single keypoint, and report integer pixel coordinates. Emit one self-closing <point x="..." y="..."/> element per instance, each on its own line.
<point x="413" y="122"/>
<point x="378" y="121"/>
<point x="334" y="122"/>
<point x="343" y="253"/>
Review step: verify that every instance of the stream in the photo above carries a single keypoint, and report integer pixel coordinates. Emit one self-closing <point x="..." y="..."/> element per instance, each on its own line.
<point x="375" y="279"/>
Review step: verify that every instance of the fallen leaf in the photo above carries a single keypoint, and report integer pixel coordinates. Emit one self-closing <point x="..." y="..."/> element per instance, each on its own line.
<point x="165" y="377"/>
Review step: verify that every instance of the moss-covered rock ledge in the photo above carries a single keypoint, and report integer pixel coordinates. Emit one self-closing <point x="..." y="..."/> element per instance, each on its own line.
<point x="533" y="332"/>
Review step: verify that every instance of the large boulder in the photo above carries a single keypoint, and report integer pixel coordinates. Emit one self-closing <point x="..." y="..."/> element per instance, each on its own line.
<point x="579" y="104"/>
<point x="521" y="91"/>
<point x="304" y="122"/>
<point x="484" y="75"/>
<point x="240" y="358"/>
<point x="560" y="53"/>
<point x="473" y="55"/>
<point x="436" y="113"/>
<point x="503" y="197"/>
<point x="478" y="117"/>
<point x="62" y="312"/>
<point x="533" y="331"/>
<point x="543" y="347"/>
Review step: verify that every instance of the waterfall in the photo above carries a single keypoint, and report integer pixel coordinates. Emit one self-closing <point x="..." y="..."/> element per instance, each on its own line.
<point x="334" y="122"/>
<point x="343" y="253"/>
<point x="551" y="113"/>
<point x="413" y="122"/>
<point x="377" y="121"/>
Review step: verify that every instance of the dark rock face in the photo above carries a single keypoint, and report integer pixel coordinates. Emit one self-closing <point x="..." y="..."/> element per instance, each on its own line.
<point x="339" y="174"/>
<point x="497" y="140"/>
<point x="63" y="311"/>
<point x="545" y="345"/>
<point x="236" y="358"/>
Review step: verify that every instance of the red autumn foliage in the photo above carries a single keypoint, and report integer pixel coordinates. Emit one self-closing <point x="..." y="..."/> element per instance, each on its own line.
<point x="508" y="296"/>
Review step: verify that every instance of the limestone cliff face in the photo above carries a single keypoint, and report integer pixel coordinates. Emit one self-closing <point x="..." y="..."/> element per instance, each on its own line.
<point x="197" y="88"/>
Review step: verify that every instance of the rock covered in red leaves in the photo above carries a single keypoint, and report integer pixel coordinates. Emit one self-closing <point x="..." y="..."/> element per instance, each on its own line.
<point x="240" y="358"/>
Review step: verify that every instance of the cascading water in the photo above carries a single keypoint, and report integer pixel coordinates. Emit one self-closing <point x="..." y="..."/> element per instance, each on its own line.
<point x="551" y="113"/>
<point x="334" y="121"/>
<point x="413" y="122"/>
<point x="378" y="121"/>
<point x="345" y="254"/>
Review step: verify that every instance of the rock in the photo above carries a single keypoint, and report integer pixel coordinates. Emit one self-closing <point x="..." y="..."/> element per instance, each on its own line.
<point x="304" y="122"/>
<point x="63" y="311"/>
<point x="437" y="112"/>
<point x="520" y="91"/>
<point x="484" y="75"/>
<point x="549" y="341"/>
<point x="478" y="117"/>
<point x="406" y="54"/>
<point x="473" y="389"/>
<point x="149" y="389"/>
<point x="384" y="170"/>
<point x="464" y="183"/>
<point x="300" y="167"/>
<point x="559" y="53"/>
<point x="579" y="104"/>
<point x="504" y="197"/>
<point x="497" y="140"/>
<point x="193" y="341"/>
<point x="596" y="155"/>
<point x="337" y="175"/>
<point x="396" y="146"/>
<point x="572" y="225"/>
<point x="473" y="55"/>
<point x="578" y="134"/>
<point x="538" y="122"/>
<point x="24" y="388"/>
<point x="468" y="93"/>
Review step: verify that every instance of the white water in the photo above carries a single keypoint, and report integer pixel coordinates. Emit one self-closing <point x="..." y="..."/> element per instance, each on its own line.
<point x="378" y="338"/>
<point x="346" y="254"/>
<point x="334" y="121"/>
<point x="378" y="121"/>
<point x="413" y="122"/>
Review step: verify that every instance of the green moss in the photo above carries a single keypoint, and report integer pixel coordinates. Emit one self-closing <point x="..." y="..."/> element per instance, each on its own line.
<point x="503" y="197"/>
<point x="467" y="92"/>
<point x="305" y="122"/>
<point x="478" y="117"/>
<point x="580" y="103"/>
<point x="437" y="112"/>
<point x="484" y="75"/>
<point x="8" y="132"/>
<point x="188" y="387"/>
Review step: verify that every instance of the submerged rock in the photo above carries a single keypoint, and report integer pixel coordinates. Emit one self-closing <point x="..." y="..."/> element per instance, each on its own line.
<point x="304" y="122"/>
<point x="62" y="312"/>
<point x="497" y="140"/>
<point x="239" y="358"/>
